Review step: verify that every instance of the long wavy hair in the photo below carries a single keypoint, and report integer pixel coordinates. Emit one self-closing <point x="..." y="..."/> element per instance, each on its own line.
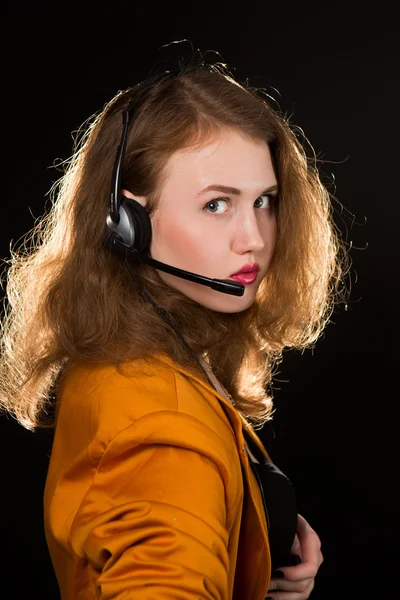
<point x="69" y="300"/>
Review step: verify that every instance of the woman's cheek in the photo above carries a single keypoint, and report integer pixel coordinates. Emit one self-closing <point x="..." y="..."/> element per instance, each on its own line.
<point x="171" y="239"/>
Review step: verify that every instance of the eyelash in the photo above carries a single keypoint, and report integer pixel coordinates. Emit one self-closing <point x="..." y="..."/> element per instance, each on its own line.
<point x="273" y="199"/>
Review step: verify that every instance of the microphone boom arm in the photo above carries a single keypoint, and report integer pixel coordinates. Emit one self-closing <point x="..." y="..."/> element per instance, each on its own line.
<point x="220" y="285"/>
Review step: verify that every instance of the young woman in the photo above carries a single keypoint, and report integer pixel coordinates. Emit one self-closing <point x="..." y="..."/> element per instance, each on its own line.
<point x="189" y="243"/>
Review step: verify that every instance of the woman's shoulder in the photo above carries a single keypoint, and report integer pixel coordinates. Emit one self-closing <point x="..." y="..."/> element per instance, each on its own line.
<point x="107" y="406"/>
<point x="137" y="386"/>
<point x="132" y="371"/>
<point x="111" y="397"/>
<point x="96" y="402"/>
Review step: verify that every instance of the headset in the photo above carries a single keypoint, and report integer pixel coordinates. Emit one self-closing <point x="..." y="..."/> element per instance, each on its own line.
<point x="128" y="222"/>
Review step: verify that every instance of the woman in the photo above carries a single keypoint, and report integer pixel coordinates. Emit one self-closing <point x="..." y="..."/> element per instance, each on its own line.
<point x="159" y="372"/>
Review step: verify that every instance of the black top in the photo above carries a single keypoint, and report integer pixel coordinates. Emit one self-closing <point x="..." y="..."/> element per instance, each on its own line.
<point x="280" y="505"/>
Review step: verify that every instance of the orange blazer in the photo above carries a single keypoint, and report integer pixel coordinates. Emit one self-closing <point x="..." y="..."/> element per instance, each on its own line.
<point x="149" y="493"/>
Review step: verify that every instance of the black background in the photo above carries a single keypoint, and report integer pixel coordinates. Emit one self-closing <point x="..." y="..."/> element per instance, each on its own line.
<point x="335" y="69"/>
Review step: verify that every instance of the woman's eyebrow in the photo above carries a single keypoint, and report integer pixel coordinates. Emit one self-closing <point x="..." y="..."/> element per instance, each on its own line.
<point x="233" y="191"/>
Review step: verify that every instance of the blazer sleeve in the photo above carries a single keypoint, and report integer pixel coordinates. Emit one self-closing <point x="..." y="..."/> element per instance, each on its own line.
<point x="153" y="522"/>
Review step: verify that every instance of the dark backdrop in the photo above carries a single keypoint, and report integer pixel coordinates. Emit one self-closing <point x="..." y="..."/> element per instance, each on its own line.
<point x="335" y="71"/>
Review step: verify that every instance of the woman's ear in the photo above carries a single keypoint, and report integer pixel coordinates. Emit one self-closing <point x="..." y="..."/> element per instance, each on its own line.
<point x="141" y="199"/>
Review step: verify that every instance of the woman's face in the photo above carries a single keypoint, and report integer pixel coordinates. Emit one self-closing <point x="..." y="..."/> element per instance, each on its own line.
<point x="215" y="232"/>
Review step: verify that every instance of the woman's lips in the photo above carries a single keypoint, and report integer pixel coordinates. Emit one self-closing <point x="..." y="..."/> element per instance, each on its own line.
<point x="246" y="278"/>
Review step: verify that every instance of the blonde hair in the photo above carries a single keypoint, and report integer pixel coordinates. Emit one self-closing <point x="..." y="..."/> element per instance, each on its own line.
<point x="70" y="300"/>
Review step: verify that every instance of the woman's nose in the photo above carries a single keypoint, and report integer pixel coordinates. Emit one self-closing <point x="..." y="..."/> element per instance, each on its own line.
<point x="248" y="235"/>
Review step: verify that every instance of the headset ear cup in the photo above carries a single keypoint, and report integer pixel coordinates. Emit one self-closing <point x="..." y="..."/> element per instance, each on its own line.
<point x="135" y="226"/>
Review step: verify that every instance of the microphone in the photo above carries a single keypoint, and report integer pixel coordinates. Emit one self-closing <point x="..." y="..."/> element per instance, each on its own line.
<point x="220" y="285"/>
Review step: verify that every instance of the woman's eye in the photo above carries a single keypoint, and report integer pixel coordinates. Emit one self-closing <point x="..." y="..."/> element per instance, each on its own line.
<point x="210" y="206"/>
<point x="269" y="200"/>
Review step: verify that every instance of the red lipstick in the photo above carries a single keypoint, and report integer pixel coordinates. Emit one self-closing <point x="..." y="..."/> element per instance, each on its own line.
<point x="247" y="274"/>
<point x="249" y="268"/>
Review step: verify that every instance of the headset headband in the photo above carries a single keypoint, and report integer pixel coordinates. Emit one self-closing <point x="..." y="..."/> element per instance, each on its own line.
<point x="137" y="97"/>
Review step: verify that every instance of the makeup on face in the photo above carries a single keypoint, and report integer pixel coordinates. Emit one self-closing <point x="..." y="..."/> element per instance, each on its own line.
<point x="217" y="217"/>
